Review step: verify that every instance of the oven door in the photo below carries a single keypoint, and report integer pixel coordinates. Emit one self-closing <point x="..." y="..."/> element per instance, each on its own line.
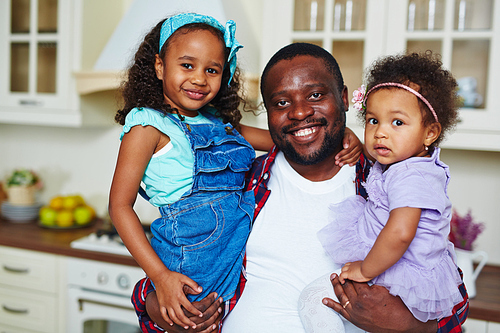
<point x="99" y="312"/>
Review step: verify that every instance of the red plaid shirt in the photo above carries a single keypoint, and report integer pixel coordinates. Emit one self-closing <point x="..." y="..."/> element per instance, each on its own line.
<point x="257" y="179"/>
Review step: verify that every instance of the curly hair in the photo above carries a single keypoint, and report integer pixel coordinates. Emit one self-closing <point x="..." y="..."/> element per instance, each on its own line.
<point x="142" y="88"/>
<point x="435" y="83"/>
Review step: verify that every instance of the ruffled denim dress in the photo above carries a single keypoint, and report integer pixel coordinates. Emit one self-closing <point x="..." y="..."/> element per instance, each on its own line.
<point x="203" y="235"/>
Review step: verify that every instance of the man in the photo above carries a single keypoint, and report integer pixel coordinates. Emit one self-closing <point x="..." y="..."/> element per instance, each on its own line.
<point x="306" y="100"/>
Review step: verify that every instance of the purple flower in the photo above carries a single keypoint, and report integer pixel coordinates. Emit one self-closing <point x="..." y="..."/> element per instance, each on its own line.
<point x="464" y="231"/>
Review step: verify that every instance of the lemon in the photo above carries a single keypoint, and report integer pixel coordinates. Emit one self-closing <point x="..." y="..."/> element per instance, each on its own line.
<point x="70" y="202"/>
<point x="56" y="202"/>
<point x="83" y="215"/>
<point x="47" y="216"/>
<point x="64" y="218"/>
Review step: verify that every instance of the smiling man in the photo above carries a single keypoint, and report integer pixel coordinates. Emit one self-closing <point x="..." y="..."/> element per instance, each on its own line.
<point x="306" y="100"/>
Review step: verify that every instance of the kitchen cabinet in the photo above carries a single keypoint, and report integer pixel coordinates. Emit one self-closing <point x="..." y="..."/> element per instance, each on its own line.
<point x="31" y="294"/>
<point x="39" y="43"/>
<point x="466" y="33"/>
<point x="41" y="52"/>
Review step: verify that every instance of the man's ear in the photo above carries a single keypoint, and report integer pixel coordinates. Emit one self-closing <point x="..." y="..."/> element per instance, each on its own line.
<point x="159" y="67"/>
<point x="433" y="132"/>
<point x="345" y="98"/>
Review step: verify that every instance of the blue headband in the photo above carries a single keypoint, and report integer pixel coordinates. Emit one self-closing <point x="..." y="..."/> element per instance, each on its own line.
<point x="175" y="22"/>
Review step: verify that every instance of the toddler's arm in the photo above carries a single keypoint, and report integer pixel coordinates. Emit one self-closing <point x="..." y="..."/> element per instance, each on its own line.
<point x="136" y="149"/>
<point x="389" y="247"/>
<point x="352" y="149"/>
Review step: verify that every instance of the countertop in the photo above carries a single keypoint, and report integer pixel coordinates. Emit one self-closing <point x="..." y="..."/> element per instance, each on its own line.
<point x="30" y="236"/>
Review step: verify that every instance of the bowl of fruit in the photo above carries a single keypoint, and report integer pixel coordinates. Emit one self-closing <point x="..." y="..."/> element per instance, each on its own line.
<point x="66" y="212"/>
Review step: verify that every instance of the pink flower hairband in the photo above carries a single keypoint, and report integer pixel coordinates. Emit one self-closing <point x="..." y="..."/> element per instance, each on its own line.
<point x="359" y="96"/>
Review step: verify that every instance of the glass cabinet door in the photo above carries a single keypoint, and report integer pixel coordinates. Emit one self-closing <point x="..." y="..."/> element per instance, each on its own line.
<point x="33" y="44"/>
<point x="466" y="33"/>
<point x="338" y="26"/>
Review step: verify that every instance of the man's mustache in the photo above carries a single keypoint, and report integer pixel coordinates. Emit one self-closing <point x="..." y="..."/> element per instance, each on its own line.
<point x="317" y="121"/>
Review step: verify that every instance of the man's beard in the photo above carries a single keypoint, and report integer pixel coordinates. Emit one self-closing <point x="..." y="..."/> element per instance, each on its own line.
<point x="331" y="143"/>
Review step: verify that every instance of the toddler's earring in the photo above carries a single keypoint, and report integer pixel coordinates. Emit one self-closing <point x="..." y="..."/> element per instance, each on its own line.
<point x="426" y="148"/>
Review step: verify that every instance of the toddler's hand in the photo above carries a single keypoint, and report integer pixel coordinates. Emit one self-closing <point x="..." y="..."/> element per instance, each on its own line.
<point x="172" y="298"/>
<point x="352" y="271"/>
<point x="352" y="149"/>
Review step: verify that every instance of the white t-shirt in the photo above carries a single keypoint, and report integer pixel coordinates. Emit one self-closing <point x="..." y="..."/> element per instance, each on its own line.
<point x="283" y="252"/>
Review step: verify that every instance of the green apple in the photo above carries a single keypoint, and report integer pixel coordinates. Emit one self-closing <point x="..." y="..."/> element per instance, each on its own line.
<point x="48" y="216"/>
<point x="82" y="215"/>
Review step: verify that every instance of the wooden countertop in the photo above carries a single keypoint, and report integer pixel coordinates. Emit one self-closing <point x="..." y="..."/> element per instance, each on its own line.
<point x="486" y="304"/>
<point x="30" y="236"/>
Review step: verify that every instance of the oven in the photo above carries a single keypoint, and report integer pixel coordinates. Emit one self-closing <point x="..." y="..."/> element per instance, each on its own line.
<point x="99" y="292"/>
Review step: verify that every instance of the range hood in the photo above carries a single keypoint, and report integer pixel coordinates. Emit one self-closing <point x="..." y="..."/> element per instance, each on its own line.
<point x="141" y="17"/>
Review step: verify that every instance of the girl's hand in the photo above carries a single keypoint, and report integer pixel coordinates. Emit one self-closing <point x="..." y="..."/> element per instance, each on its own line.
<point x="352" y="271"/>
<point x="352" y="149"/>
<point x="172" y="299"/>
<point x="211" y="306"/>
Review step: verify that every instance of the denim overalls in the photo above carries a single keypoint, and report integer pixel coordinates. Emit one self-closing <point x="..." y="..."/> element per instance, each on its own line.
<point x="203" y="235"/>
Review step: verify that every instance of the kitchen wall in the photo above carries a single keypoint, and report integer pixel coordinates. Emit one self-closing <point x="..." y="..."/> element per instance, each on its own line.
<point x="81" y="160"/>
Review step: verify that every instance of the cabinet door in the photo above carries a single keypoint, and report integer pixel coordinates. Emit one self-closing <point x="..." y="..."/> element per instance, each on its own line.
<point x="465" y="32"/>
<point x="29" y="310"/>
<point x="36" y="60"/>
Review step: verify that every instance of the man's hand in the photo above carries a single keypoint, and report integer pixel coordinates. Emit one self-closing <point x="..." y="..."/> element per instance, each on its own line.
<point x="373" y="309"/>
<point x="210" y="306"/>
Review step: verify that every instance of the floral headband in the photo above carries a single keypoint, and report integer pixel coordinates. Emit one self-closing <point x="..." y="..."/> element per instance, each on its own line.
<point x="359" y="96"/>
<point x="175" y="22"/>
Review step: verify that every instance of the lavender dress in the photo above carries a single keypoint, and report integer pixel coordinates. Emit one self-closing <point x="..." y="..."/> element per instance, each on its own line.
<point x="426" y="277"/>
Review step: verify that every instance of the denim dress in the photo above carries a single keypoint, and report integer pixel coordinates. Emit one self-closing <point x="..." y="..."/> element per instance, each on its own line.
<point x="203" y="235"/>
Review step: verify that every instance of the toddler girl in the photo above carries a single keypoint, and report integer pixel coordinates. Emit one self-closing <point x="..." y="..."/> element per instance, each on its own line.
<point x="398" y="238"/>
<point x="181" y="138"/>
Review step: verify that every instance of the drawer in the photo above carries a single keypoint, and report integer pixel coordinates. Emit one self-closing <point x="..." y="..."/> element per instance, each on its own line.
<point x="28" y="310"/>
<point x="28" y="269"/>
<point x="10" y="329"/>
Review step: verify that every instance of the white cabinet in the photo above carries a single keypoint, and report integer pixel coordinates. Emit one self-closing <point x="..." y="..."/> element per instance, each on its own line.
<point x="30" y="296"/>
<point x="466" y="33"/>
<point x="39" y="43"/>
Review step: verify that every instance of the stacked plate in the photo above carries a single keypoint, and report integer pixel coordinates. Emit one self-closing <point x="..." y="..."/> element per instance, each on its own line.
<point x="20" y="214"/>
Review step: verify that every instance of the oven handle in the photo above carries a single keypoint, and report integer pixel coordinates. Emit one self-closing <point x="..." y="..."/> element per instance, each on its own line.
<point x="16" y="311"/>
<point x="85" y="300"/>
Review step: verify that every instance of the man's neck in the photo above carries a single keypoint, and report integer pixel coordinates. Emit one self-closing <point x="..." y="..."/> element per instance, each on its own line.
<point x="318" y="172"/>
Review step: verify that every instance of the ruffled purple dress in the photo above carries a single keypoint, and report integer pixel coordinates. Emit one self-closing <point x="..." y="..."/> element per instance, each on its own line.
<point x="426" y="277"/>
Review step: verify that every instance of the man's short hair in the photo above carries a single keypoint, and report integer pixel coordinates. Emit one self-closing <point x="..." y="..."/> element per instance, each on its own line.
<point x="297" y="49"/>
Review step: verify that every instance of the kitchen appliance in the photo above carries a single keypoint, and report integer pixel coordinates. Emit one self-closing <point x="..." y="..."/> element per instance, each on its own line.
<point x="105" y="240"/>
<point x="99" y="292"/>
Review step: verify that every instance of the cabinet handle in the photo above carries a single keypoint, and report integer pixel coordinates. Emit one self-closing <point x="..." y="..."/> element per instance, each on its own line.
<point x="30" y="102"/>
<point x="16" y="270"/>
<point x="16" y="311"/>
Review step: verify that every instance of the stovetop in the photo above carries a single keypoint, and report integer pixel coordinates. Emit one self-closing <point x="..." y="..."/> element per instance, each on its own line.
<point x="105" y="240"/>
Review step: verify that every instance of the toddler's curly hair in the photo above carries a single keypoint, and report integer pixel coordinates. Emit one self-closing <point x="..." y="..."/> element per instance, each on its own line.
<point x="433" y="82"/>
<point x="143" y="89"/>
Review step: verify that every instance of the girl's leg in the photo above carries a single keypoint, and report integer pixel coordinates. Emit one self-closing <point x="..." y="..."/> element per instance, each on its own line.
<point x="317" y="317"/>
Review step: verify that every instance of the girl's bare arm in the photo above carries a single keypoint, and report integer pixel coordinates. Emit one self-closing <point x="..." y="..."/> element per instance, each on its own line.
<point x="389" y="247"/>
<point x="136" y="149"/>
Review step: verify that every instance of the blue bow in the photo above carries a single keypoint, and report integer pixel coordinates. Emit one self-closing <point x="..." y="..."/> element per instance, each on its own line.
<point x="175" y="22"/>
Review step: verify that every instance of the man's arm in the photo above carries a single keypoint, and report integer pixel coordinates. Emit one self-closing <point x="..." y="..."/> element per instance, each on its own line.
<point x="373" y="309"/>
